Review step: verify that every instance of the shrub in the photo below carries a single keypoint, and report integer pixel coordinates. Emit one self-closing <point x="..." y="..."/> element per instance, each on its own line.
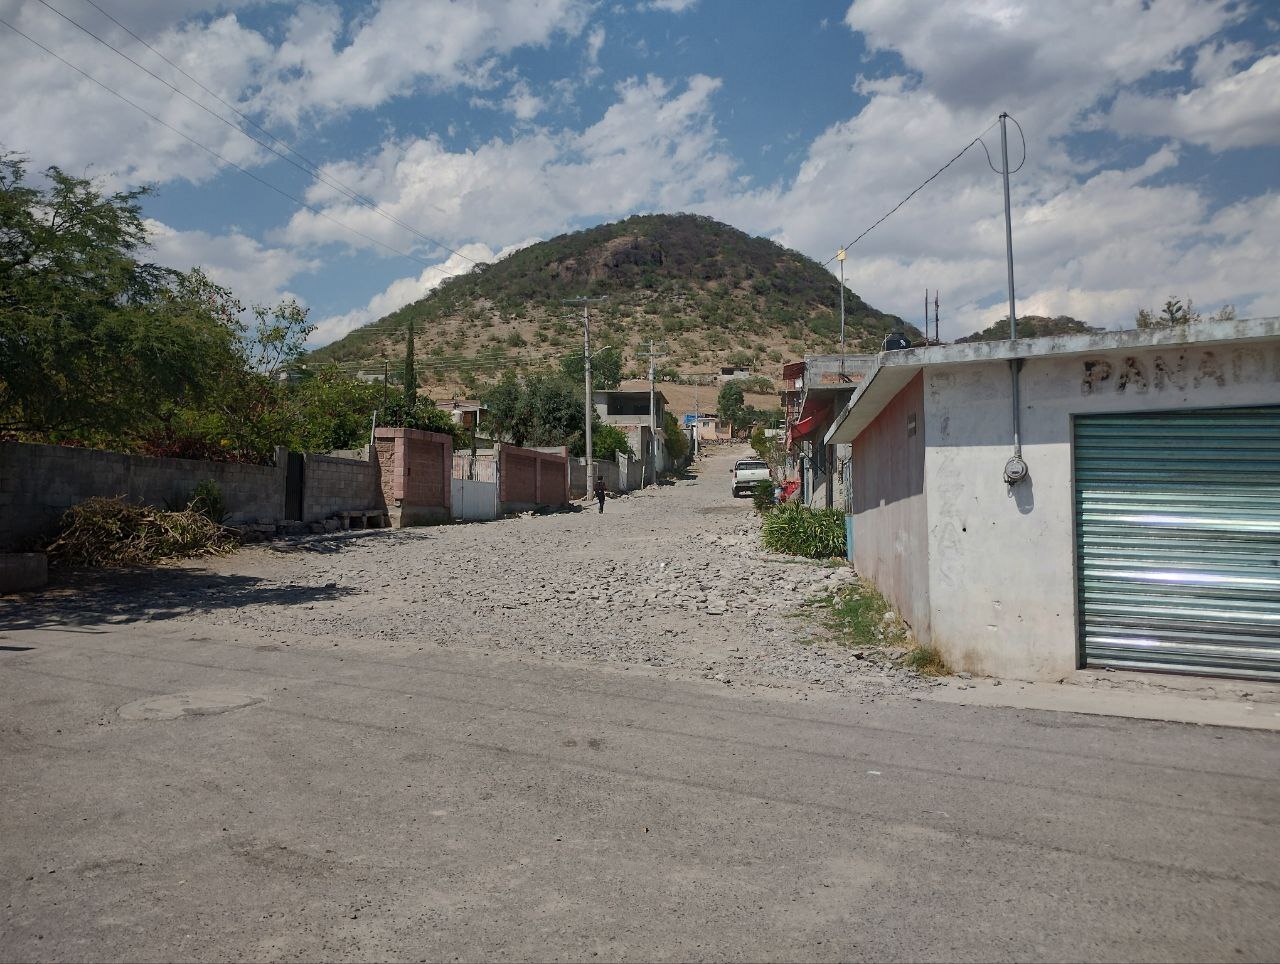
<point x="927" y="660"/>
<point x="797" y="530"/>
<point x="762" y="496"/>
<point x="208" y="501"/>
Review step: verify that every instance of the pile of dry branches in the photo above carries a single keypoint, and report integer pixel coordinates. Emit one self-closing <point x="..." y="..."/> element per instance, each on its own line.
<point x="101" y="533"/>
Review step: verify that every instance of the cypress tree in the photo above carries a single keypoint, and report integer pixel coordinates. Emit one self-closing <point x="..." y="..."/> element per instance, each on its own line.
<point x="410" y="377"/>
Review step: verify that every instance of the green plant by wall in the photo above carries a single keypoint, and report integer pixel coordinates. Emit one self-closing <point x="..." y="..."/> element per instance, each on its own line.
<point x="762" y="496"/>
<point x="207" y="499"/>
<point x="797" y="530"/>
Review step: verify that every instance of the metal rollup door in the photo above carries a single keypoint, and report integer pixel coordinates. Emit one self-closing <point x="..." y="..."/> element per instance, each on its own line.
<point x="1178" y="540"/>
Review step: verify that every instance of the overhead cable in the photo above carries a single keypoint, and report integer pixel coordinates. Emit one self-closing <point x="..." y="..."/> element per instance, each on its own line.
<point x="918" y="189"/>
<point x="209" y="150"/>
<point x="308" y="166"/>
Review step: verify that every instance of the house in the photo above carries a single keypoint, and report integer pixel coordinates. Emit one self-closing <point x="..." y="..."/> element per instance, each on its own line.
<point x="729" y="372"/>
<point x="629" y="411"/>
<point x="705" y="425"/>
<point x="813" y="392"/>
<point x="1108" y="500"/>
<point x="464" y="412"/>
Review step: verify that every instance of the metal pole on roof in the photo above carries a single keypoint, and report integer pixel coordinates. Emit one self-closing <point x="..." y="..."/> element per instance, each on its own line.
<point x="840" y="258"/>
<point x="1008" y="224"/>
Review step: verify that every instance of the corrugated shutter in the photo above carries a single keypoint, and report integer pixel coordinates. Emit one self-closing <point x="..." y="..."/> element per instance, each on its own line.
<point x="1178" y="540"/>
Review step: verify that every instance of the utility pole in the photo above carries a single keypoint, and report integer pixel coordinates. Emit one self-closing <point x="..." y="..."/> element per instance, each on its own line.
<point x="386" y="372"/>
<point x="840" y="258"/>
<point x="587" y="408"/>
<point x="936" y="337"/>
<point x="653" y="355"/>
<point x="926" y="316"/>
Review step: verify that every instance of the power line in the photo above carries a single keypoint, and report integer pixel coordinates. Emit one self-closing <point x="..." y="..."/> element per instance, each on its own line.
<point x="209" y="150"/>
<point x="309" y="167"/>
<point x="921" y="187"/>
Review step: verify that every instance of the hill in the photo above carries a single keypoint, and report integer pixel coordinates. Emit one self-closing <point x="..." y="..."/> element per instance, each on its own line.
<point x="710" y="293"/>
<point x="1032" y="326"/>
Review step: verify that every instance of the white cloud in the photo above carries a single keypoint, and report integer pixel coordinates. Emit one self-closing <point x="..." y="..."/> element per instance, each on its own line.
<point x="66" y="119"/>
<point x="1231" y="110"/>
<point x="523" y="103"/>
<point x="326" y="65"/>
<point x="669" y="6"/>
<point x="256" y="274"/>
<point x="1045" y="62"/>
<point x="323" y="65"/>
<point x="655" y="148"/>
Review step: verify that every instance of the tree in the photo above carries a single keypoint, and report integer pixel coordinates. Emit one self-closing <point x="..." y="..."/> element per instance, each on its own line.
<point x="94" y="343"/>
<point x="543" y="409"/>
<point x="1175" y="315"/>
<point x="410" y="376"/>
<point x="425" y="415"/>
<point x="730" y="403"/>
<point x="331" y="411"/>
<point x="606" y="369"/>
<point x="607" y="441"/>
<point x="677" y="440"/>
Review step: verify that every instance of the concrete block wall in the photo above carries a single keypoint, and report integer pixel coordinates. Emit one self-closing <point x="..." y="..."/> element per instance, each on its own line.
<point x="332" y="485"/>
<point x="528" y="478"/>
<point x="613" y="477"/>
<point x="416" y="473"/>
<point x="39" y="482"/>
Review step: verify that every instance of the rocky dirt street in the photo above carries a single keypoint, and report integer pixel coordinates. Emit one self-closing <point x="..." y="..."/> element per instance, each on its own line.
<point x="672" y="578"/>
<point x="579" y="737"/>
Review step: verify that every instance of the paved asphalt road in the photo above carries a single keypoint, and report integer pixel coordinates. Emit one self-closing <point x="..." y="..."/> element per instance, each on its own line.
<point x="451" y="805"/>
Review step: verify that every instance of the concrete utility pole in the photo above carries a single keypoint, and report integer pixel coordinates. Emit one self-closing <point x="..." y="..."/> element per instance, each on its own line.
<point x="653" y="355"/>
<point x="589" y="455"/>
<point x="840" y="258"/>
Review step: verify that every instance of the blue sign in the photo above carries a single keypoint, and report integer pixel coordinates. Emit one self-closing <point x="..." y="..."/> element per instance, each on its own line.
<point x="690" y="421"/>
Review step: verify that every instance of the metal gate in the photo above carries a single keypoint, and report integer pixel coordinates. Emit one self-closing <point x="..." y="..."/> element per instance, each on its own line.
<point x="294" y="483"/>
<point x="1178" y="540"/>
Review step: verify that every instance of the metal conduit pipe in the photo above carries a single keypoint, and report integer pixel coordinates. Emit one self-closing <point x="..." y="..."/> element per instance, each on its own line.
<point x="1015" y="470"/>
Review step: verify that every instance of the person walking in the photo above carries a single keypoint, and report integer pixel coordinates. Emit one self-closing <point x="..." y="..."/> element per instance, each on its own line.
<point x="600" y="491"/>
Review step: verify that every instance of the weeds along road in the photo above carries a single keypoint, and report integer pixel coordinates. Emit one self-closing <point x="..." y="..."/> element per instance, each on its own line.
<point x="508" y="741"/>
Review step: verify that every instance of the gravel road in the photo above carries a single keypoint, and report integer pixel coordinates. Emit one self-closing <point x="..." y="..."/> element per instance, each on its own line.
<point x="672" y="579"/>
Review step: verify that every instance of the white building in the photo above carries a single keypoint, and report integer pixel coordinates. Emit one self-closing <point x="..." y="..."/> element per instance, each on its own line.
<point x="1146" y="533"/>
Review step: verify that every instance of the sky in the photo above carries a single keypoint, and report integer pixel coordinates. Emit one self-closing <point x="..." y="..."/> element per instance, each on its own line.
<point x="399" y="142"/>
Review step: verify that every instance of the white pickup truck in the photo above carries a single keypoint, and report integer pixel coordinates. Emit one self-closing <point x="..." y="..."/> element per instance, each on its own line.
<point x="746" y="473"/>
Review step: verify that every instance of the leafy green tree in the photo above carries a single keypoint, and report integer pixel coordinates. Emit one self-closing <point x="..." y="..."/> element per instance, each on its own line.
<point x="1173" y="314"/>
<point x="607" y="441"/>
<point x="677" y="440"/>
<point x="541" y="409"/>
<point x="730" y="403"/>
<point x="331" y="411"/>
<point x="425" y="415"/>
<point x="95" y="343"/>
<point x="606" y="369"/>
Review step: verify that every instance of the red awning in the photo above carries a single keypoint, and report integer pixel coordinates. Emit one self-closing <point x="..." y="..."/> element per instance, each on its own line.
<point x="804" y="427"/>
<point x="812" y="416"/>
